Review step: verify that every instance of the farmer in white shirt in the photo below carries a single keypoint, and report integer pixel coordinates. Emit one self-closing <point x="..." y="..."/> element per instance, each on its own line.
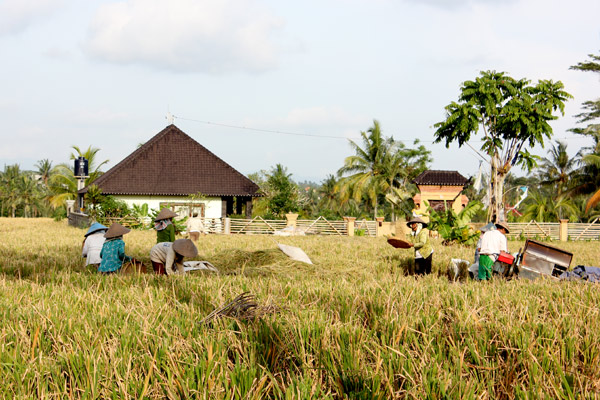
<point x="167" y="257"/>
<point x="195" y="227"/>
<point x="492" y="243"/>
<point x="92" y="244"/>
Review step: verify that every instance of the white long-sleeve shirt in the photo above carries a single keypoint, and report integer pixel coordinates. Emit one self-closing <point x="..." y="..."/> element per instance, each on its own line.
<point x="493" y="242"/>
<point x="195" y="225"/>
<point x="163" y="253"/>
<point x="92" y="247"/>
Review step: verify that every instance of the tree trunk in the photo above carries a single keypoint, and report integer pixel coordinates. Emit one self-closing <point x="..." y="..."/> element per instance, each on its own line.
<point x="496" y="191"/>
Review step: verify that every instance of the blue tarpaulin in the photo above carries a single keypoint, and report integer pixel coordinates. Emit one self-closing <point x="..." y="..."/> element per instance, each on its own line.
<point x="590" y="274"/>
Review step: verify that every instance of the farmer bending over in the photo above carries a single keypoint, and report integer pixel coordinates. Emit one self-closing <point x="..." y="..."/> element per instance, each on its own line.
<point x="113" y="250"/>
<point x="92" y="244"/>
<point x="492" y="243"/>
<point x="167" y="257"/>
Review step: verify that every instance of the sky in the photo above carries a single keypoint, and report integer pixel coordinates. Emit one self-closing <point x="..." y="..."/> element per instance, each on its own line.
<point x="262" y="82"/>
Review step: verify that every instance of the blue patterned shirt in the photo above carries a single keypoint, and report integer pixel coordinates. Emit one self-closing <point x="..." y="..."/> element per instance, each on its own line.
<point x="113" y="255"/>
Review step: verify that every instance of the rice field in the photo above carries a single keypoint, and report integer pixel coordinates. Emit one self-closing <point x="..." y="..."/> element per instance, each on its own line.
<point x="352" y="326"/>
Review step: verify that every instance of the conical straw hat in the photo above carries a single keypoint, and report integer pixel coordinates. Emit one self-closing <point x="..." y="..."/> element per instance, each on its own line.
<point x="116" y="230"/>
<point x="418" y="220"/>
<point x="185" y="247"/>
<point x="164" y="214"/>
<point x="95" y="227"/>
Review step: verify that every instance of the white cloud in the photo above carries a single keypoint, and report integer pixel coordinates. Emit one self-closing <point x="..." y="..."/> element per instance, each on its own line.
<point x="211" y="36"/>
<point x="17" y="15"/>
<point x="457" y="4"/>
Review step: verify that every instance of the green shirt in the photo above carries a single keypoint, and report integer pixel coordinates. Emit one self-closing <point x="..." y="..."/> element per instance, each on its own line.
<point x="421" y="243"/>
<point x="166" y="235"/>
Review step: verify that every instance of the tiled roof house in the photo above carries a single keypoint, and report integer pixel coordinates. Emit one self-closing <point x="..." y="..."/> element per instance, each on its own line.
<point x="441" y="189"/>
<point x="170" y="167"/>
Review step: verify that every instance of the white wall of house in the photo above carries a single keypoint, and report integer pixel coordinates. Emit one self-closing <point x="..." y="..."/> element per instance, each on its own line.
<point x="212" y="205"/>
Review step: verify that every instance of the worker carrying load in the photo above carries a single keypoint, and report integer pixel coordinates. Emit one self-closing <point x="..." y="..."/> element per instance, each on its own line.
<point x="167" y="257"/>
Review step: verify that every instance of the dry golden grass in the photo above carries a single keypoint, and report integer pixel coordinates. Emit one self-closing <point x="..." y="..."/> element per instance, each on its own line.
<point x="349" y="326"/>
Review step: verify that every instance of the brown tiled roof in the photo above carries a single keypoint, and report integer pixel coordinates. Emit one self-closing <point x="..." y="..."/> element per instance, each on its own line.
<point x="172" y="163"/>
<point x="437" y="177"/>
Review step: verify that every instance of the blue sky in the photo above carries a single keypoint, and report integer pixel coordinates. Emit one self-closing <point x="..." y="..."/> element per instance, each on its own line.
<point x="106" y="73"/>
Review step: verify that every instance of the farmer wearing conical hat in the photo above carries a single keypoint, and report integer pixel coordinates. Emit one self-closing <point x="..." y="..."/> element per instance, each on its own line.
<point x="92" y="244"/>
<point x="163" y="223"/>
<point x="167" y="257"/>
<point x="113" y="251"/>
<point x="492" y="243"/>
<point x="419" y="240"/>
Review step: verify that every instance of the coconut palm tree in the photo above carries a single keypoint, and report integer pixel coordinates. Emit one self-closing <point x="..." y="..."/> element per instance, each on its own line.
<point x="556" y="170"/>
<point x="541" y="207"/>
<point x="379" y="167"/>
<point x="44" y="169"/>
<point x="328" y="194"/>
<point x="89" y="154"/>
<point x="367" y="168"/>
<point x="10" y="193"/>
<point x="63" y="184"/>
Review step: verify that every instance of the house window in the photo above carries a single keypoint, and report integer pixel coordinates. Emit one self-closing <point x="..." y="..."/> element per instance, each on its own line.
<point x="185" y="209"/>
<point x="439" y="205"/>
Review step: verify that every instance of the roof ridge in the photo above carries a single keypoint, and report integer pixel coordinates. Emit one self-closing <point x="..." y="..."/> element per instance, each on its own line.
<point x="157" y="166"/>
<point x="121" y="164"/>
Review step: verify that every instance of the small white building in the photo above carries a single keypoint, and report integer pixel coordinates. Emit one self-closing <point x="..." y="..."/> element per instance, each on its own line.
<point x="170" y="169"/>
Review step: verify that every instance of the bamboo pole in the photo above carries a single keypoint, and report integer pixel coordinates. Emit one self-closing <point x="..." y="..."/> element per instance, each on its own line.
<point x="585" y="230"/>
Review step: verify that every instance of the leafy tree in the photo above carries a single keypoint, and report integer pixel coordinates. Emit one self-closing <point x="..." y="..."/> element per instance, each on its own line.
<point x="592" y="106"/>
<point x="590" y="175"/>
<point x="11" y="198"/>
<point x="329" y="197"/>
<point x="21" y="194"/>
<point x="283" y="192"/>
<point x="511" y="115"/>
<point x="260" y="206"/>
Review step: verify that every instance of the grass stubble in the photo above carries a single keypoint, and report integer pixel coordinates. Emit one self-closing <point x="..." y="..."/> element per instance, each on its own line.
<point x="352" y="325"/>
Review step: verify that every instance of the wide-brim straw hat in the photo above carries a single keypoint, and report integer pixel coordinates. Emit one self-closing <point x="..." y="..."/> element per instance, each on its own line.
<point x="165" y="213"/>
<point x="502" y="225"/>
<point x="116" y="230"/>
<point x="185" y="247"/>
<point x="490" y="226"/>
<point x="95" y="227"/>
<point x="416" y="220"/>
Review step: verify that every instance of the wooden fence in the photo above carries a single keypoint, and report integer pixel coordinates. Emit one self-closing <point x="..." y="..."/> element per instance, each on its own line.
<point x="589" y="231"/>
<point x="320" y="226"/>
<point x="255" y="226"/>
<point x="552" y="230"/>
<point x="533" y="229"/>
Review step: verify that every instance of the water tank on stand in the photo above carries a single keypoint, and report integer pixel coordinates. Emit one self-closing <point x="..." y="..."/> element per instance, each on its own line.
<point x="81" y="167"/>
